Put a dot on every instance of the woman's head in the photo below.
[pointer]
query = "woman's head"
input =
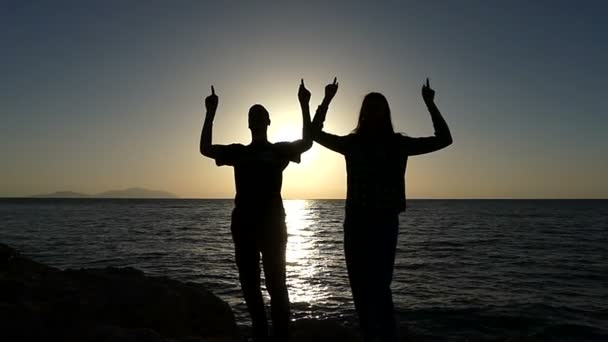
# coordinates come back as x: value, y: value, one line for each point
x: 375, y: 116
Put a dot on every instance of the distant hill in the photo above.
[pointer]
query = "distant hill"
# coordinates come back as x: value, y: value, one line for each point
x: 126, y: 193
x: 135, y: 193
x: 63, y: 194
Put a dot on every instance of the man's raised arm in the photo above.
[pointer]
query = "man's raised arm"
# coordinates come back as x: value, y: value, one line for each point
x: 206, y: 147
x: 304, y: 98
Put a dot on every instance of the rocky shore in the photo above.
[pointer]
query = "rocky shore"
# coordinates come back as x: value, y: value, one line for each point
x: 39, y: 302
x: 42, y: 303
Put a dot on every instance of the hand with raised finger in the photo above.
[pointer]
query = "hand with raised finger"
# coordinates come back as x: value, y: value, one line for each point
x: 428, y: 94
x: 331, y: 89
x: 211, y: 102
x: 303, y: 94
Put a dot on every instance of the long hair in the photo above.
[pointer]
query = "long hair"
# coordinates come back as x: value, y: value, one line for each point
x: 374, y: 117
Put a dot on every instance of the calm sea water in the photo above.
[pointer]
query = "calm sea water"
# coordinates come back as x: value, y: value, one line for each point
x: 464, y: 268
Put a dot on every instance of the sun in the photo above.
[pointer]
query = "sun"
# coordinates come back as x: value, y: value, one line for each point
x: 287, y: 133
x: 293, y: 133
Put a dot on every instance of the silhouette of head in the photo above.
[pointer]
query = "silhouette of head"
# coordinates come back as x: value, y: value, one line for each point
x: 259, y: 119
x: 374, y: 117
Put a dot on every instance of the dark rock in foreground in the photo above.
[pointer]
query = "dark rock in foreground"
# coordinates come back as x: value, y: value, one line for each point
x: 38, y: 302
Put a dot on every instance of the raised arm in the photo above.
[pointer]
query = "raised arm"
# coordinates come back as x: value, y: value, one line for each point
x: 294, y: 148
x: 304, y: 98
x: 442, y: 137
x: 206, y: 147
x: 331, y: 141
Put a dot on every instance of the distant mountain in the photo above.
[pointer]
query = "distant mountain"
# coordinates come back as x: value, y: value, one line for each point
x: 126, y: 193
x: 135, y: 193
x: 63, y: 194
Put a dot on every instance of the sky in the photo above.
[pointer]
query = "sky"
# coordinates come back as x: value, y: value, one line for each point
x: 100, y: 95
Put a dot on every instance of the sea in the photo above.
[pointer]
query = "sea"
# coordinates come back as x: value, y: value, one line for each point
x: 465, y: 269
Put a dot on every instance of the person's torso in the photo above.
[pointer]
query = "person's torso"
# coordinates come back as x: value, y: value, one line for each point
x: 376, y: 174
x: 258, y: 175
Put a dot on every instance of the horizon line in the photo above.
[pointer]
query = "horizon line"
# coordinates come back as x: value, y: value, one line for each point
x: 315, y: 199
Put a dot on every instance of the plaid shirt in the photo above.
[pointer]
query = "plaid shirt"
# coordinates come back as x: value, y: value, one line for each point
x: 375, y: 166
x: 375, y: 169
x: 375, y: 173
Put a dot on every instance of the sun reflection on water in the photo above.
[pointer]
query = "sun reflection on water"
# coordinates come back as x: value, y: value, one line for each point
x: 302, y: 253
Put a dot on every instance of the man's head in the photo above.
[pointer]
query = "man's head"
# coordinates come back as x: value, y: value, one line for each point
x: 259, y: 119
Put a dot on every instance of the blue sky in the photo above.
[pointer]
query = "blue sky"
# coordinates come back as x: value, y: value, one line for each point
x: 108, y: 94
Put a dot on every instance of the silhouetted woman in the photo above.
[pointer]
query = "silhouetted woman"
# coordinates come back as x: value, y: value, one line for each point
x: 376, y: 158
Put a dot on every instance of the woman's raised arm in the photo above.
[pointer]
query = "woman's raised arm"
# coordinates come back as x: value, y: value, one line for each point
x: 333, y: 142
x: 442, y: 137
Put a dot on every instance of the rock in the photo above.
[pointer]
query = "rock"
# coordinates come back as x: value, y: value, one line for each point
x: 306, y: 330
x: 113, y: 333
x: 110, y: 304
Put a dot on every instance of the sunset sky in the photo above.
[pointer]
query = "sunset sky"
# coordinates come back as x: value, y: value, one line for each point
x: 109, y: 94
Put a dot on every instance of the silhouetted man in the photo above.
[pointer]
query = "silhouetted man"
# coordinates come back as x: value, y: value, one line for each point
x: 258, y: 219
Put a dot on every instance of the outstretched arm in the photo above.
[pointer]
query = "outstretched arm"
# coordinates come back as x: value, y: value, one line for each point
x: 331, y: 141
x: 442, y: 137
x: 206, y: 147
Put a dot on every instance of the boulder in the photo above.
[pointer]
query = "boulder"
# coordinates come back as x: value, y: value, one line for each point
x: 38, y: 302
